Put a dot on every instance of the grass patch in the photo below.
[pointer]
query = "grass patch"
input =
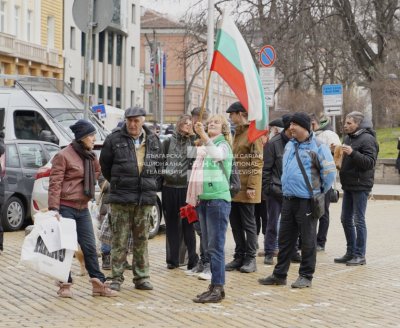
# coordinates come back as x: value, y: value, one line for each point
x: 387, y: 139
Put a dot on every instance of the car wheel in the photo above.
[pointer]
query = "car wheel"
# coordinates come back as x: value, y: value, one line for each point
x: 13, y: 214
x: 155, y: 219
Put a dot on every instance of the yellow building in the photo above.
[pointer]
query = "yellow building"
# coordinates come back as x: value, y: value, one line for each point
x: 31, y: 37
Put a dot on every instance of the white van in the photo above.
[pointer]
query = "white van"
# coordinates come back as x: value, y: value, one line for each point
x: 38, y: 108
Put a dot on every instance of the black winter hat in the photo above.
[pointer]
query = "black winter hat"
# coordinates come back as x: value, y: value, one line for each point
x: 302, y: 119
x: 286, y: 121
x: 82, y: 129
x: 236, y: 107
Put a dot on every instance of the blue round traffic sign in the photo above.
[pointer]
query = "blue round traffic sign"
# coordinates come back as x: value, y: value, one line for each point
x: 267, y: 56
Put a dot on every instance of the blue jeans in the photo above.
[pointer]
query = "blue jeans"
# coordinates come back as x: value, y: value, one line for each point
x: 214, y: 216
x: 354, y: 206
x: 86, y: 239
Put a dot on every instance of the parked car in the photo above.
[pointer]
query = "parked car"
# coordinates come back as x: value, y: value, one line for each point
x: 40, y: 194
x: 22, y: 160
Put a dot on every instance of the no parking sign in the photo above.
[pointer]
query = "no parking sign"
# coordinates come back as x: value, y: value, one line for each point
x: 267, y: 56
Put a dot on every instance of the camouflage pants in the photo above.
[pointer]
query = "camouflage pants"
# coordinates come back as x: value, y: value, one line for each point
x: 126, y: 218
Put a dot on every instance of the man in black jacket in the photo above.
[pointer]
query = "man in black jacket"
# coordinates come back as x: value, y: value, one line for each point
x: 131, y: 160
x: 272, y: 186
x: 360, y: 151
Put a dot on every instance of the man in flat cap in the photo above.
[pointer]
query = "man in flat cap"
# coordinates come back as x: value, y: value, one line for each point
x: 131, y: 160
x: 248, y: 157
x: 302, y: 155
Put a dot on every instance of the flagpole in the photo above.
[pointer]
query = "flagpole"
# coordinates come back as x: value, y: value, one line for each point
x: 205, y: 96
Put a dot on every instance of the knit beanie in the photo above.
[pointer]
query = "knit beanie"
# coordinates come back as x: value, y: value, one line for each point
x: 302, y: 119
x: 286, y: 121
x: 82, y: 129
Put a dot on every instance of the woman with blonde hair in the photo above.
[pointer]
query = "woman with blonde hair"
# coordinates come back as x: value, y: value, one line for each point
x: 209, y: 191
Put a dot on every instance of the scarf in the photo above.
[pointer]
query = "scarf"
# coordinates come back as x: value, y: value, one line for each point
x: 88, y: 158
x: 195, y: 187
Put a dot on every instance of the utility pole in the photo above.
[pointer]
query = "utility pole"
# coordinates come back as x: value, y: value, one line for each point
x: 88, y: 56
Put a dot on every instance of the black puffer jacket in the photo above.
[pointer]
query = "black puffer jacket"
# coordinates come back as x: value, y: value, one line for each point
x: 177, y: 160
x: 119, y: 166
x: 272, y: 169
x: 357, y: 171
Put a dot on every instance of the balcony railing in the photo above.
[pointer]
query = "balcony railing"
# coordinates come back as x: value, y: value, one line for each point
x: 25, y: 50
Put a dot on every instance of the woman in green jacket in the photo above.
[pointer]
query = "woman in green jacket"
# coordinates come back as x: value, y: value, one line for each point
x: 209, y: 191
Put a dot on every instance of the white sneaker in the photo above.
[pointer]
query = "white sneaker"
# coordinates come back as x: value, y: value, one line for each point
x: 195, y: 270
x: 206, y: 274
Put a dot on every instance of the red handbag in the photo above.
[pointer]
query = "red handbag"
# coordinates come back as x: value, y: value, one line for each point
x: 188, y: 211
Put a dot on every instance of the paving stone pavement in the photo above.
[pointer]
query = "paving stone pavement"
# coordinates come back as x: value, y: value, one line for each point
x: 341, y: 296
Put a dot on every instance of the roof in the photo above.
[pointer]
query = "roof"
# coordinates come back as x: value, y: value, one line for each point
x: 153, y: 19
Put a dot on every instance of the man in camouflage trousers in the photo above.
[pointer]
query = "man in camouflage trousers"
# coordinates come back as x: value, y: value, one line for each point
x: 131, y: 160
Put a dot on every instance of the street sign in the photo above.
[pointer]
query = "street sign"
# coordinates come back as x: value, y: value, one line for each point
x: 267, y: 77
x: 332, y: 98
x: 332, y: 95
x: 100, y: 110
x: 333, y: 111
x: 267, y: 56
x: 102, y: 14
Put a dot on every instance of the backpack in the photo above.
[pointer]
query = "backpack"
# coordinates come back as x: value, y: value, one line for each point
x: 234, y: 179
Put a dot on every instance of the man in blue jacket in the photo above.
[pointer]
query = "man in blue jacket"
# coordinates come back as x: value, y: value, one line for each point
x: 296, y: 215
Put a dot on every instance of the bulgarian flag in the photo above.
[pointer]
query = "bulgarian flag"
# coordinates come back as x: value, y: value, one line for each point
x: 233, y: 62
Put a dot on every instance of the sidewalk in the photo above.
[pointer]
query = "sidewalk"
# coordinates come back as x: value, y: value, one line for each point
x: 381, y: 191
x: 341, y: 296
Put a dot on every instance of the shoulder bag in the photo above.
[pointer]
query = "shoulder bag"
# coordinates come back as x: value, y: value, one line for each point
x: 318, y: 200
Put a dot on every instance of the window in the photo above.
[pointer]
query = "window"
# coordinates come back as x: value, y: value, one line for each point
x: 50, y: 32
x: 118, y: 97
x: 132, y: 98
x: 52, y: 150
x: 16, y: 21
x: 32, y: 155
x: 101, y: 93
x: 110, y: 46
x: 133, y: 19
x: 29, y: 25
x: 72, y: 38
x: 119, y: 50
x: 133, y: 56
x: 12, y: 158
x: 29, y: 124
x: 83, y: 44
x: 82, y: 87
x: 2, y: 16
x: 109, y: 95
x: 102, y: 38
x: 72, y: 83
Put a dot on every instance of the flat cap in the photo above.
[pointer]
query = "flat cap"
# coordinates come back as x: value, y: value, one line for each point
x: 236, y: 107
x: 135, y: 111
x: 277, y: 122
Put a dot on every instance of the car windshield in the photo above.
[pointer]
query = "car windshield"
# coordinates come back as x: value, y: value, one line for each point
x: 67, y: 117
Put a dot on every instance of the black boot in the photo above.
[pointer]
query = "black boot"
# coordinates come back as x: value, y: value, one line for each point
x: 106, y: 261
x: 236, y: 264
x: 216, y: 295
x: 249, y: 265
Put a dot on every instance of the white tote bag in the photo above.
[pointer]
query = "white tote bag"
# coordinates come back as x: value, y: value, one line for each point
x: 49, y: 248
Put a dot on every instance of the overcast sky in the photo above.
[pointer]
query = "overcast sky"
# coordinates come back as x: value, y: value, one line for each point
x: 174, y: 8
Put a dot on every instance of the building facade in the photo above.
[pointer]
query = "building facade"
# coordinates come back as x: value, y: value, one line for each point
x: 31, y: 37
x: 185, y: 77
x: 115, y: 77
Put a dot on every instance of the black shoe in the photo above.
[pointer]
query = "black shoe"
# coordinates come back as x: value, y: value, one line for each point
x: 115, y: 285
x: 269, y: 260
x: 301, y: 282
x: 215, y: 296
x: 236, y: 264
x: 145, y: 285
x: 171, y: 266
x: 357, y: 260
x: 249, y: 265
x: 320, y: 248
x: 296, y: 258
x: 106, y: 261
x: 346, y: 257
x: 272, y: 280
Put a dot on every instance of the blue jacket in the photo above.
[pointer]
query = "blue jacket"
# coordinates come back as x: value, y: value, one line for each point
x: 318, y: 164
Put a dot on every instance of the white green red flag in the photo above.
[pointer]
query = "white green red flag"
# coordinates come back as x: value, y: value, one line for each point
x: 232, y: 60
